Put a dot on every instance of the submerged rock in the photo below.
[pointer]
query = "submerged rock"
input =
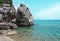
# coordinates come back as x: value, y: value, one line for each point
x: 24, y: 16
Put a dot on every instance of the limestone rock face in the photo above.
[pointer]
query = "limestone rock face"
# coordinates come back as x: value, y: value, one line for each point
x: 7, y: 14
x: 24, y: 17
x: 7, y: 9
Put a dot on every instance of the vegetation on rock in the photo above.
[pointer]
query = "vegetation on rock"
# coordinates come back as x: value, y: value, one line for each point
x: 5, y: 1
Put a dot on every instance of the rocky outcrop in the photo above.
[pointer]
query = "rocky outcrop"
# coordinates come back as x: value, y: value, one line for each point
x: 8, y: 9
x: 8, y: 26
x: 24, y: 16
x: 11, y: 18
x: 7, y: 14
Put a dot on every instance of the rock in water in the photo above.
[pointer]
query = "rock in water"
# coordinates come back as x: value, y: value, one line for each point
x: 24, y: 17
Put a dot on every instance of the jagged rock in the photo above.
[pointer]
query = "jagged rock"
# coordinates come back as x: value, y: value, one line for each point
x: 8, y: 26
x: 1, y: 10
x: 13, y: 20
x: 12, y: 25
x: 3, y: 26
x: 1, y: 18
x: 9, y: 12
x: 24, y: 17
x: 1, y: 13
x: 13, y: 11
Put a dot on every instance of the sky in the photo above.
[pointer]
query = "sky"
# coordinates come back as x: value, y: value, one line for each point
x: 41, y: 9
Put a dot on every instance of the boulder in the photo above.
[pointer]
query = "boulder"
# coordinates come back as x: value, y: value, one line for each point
x: 11, y: 25
x: 24, y: 16
x: 8, y: 26
x: 11, y: 32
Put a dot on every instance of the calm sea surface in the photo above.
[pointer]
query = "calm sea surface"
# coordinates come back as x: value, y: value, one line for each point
x: 42, y: 30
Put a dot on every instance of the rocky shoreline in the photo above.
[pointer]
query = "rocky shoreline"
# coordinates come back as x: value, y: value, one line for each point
x: 4, y: 35
x: 13, y: 18
x: 10, y: 19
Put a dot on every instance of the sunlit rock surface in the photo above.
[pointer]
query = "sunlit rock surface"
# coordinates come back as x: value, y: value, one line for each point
x: 7, y: 14
x: 24, y: 16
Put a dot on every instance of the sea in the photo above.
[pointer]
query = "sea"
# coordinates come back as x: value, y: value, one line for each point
x: 42, y: 30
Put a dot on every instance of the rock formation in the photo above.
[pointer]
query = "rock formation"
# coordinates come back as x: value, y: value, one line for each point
x: 24, y: 17
x: 10, y: 18
x: 7, y: 9
x: 7, y: 14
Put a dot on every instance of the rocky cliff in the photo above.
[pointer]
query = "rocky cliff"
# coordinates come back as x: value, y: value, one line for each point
x: 22, y: 17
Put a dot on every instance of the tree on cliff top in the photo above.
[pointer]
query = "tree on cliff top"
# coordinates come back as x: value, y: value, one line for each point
x: 5, y: 1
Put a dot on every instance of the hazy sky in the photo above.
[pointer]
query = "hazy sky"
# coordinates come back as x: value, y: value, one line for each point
x: 42, y: 9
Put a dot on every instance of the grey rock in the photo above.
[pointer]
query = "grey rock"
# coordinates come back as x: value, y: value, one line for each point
x: 8, y: 26
x: 9, y: 12
x: 1, y: 14
x: 12, y: 25
x: 1, y: 18
x: 14, y: 20
x: 7, y: 15
x: 1, y: 10
x: 3, y: 26
x: 24, y: 17
x: 6, y: 7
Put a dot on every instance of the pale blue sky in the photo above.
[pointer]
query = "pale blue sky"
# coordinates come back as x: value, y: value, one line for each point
x: 42, y: 9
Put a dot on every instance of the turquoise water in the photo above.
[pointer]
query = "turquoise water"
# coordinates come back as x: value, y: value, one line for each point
x: 42, y: 30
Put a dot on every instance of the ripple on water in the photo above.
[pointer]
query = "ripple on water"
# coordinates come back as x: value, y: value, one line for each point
x: 40, y: 32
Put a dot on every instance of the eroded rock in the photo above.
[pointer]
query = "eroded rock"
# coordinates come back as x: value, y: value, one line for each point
x: 24, y: 16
